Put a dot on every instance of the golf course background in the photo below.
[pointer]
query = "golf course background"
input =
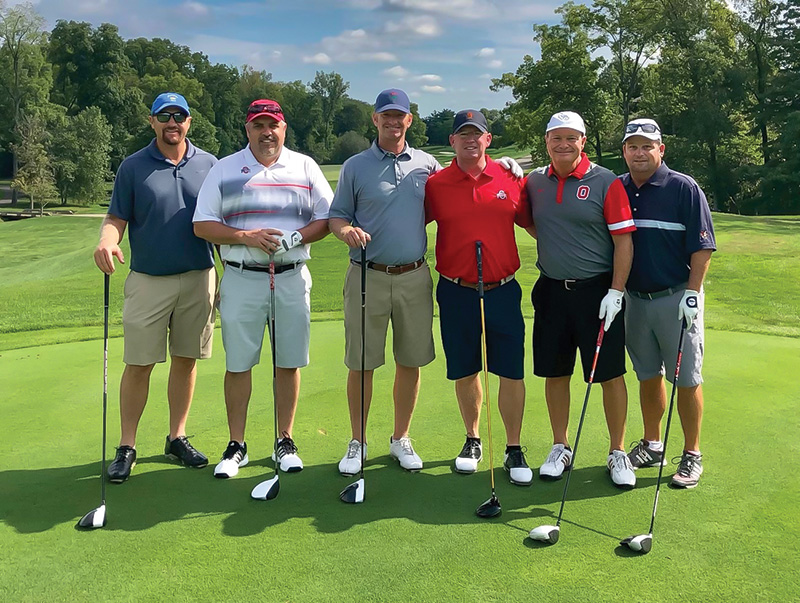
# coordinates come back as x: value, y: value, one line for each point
x: 178, y: 534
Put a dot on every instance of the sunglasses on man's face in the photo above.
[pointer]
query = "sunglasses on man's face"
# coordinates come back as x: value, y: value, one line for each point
x: 646, y: 128
x: 164, y: 116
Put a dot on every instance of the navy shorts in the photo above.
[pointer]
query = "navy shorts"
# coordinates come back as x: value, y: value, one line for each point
x: 565, y: 321
x: 460, y: 323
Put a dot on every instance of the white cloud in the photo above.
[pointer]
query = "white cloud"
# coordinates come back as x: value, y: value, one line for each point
x: 494, y: 64
x: 485, y: 76
x: 434, y: 89
x: 485, y: 52
x: 397, y: 71
x: 318, y: 59
x: 465, y: 9
x: 428, y: 77
x: 424, y: 26
x: 195, y: 9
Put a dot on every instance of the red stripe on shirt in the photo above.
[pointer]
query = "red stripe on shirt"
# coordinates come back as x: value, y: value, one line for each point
x: 252, y: 211
x: 308, y: 188
x: 617, y: 207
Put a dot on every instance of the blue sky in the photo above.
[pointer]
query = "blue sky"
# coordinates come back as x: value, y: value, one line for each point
x: 442, y: 52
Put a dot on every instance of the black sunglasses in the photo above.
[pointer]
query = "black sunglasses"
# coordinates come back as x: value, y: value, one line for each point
x: 646, y: 128
x: 163, y: 117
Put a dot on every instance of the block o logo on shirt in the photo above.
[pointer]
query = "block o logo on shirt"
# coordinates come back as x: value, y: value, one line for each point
x: 583, y: 192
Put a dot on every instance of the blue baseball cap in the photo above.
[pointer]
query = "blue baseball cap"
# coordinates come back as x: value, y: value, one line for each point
x: 392, y: 99
x: 169, y: 99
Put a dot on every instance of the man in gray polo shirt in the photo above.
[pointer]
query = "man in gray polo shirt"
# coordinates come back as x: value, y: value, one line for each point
x: 171, y: 284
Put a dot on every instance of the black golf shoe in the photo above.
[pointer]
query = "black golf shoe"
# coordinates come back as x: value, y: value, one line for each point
x: 518, y: 471
x: 470, y: 455
x: 120, y: 468
x: 641, y: 455
x: 181, y: 450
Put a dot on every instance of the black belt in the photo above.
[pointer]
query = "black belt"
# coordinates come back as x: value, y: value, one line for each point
x: 278, y: 269
x: 486, y: 286
x: 572, y: 284
x: 388, y: 269
x: 657, y: 294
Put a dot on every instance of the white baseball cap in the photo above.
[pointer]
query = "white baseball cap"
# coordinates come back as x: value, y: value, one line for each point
x: 642, y: 126
x: 566, y: 119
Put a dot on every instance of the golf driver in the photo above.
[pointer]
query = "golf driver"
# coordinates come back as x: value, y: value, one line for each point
x: 96, y: 518
x: 354, y: 493
x: 490, y: 508
x: 550, y: 534
x: 644, y: 542
x: 268, y: 489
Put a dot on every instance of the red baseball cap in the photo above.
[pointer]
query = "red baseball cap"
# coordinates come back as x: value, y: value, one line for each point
x: 264, y: 106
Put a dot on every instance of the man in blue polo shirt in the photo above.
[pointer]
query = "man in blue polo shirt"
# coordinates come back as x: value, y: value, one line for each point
x: 172, y: 282
x: 673, y: 242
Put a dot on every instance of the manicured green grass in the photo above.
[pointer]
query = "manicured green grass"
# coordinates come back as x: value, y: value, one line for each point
x: 50, y: 287
x: 178, y: 534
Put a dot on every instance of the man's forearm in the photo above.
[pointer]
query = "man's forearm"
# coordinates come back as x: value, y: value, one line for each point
x: 218, y: 233
x: 623, y: 258
x: 339, y: 227
x: 314, y: 231
x: 698, y: 268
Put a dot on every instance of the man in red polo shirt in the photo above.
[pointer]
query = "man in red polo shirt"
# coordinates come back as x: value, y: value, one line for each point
x: 474, y: 199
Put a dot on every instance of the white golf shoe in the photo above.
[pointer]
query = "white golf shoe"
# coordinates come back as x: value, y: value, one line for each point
x: 469, y: 457
x: 351, y: 462
x: 621, y: 470
x: 235, y: 456
x: 518, y: 471
x: 559, y: 459
x: 403, y: 451
x: 287, y: 456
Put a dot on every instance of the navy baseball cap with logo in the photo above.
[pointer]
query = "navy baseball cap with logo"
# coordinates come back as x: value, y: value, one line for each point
x: 470, y: 117
x: 169, y: 99
x: 392, y: 99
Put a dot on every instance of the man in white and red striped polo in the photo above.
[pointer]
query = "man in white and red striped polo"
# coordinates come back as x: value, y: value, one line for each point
x: 583, y: 227
x: 263, y: 200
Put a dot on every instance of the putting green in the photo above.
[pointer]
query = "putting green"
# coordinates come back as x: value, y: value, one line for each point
x: 178, y: 534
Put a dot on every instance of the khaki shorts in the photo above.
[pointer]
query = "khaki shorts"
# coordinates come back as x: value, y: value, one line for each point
x: 182, y: 304
x: 405, y: 299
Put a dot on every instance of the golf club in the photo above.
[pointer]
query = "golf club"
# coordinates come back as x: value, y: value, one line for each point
x: 642, y: 543
x: 490, y: 508
x: 354, y: 493
x: 550, y: 534
x: 96, y: 518
x: 268, y: 489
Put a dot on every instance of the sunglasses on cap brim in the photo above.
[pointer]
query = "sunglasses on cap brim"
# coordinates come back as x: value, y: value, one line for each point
x: 646, y: 128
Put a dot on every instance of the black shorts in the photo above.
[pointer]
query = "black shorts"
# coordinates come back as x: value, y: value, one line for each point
x: 565, y: 320
x: 460, y: 323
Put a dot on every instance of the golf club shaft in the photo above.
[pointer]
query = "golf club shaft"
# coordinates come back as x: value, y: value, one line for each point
x: 363, y: 347
x: 479, y: 257
x: 106, y: 291
x: 669, y: 421
x: 274, y: 360
x: 599, y: 343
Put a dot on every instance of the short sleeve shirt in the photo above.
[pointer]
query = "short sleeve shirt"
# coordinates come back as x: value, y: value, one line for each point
x: 157, y: 199
x: 575, y: 218
x: 673, y: 221
x: 242, y: 193
x: 467, y: 210
x: 383, y: 194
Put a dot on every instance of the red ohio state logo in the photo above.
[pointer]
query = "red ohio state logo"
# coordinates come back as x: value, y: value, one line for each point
x: 583, y: 192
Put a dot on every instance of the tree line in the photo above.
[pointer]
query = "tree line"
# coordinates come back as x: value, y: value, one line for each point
x: 721, y: 78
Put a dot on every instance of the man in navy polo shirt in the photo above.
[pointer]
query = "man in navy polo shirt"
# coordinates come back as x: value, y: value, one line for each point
x: 583, y: 229
x: 673, y: 243
x: 172, y: 282
x: 474, y: 199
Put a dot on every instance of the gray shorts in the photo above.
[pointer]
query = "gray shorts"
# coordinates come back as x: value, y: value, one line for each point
x: 652, y: 330
x: 244, y: 311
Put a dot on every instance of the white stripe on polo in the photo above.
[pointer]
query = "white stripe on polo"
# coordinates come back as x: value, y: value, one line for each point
x: 620, y: 225
x: 659, y: 224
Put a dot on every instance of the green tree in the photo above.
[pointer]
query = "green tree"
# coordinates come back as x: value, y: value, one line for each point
x: 35, y: 175
x: 354, y: 116
x: 439, y: 125
x: 416, y: 135
x: 347, y: 145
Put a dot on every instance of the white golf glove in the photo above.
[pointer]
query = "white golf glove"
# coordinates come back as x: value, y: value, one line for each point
x: 287, y: 241
x: 512, y: 166
x: 689, y: 307
x: 610, y: 307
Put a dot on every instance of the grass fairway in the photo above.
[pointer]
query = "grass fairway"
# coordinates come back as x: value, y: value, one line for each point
x: 181, y: 535
x: 178, y: 534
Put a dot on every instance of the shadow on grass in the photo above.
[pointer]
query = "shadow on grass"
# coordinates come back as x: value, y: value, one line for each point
x: 37, y: 500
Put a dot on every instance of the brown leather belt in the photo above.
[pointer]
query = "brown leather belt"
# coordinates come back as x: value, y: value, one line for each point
x: 387, y: 269
x: 486, y: 286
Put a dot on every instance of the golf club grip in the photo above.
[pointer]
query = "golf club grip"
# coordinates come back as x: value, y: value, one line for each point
x: 363, y: 276
x: 479, y: 260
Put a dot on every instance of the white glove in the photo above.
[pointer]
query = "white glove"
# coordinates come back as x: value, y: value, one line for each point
x: 610, y: 306
x: 512, y: 166
x: 689, y: 307
x: 287, y: 241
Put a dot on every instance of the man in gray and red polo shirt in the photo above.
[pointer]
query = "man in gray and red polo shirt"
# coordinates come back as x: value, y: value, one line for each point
x: 583, y: 228
x: 674, y: 240
x: 474, y: 199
